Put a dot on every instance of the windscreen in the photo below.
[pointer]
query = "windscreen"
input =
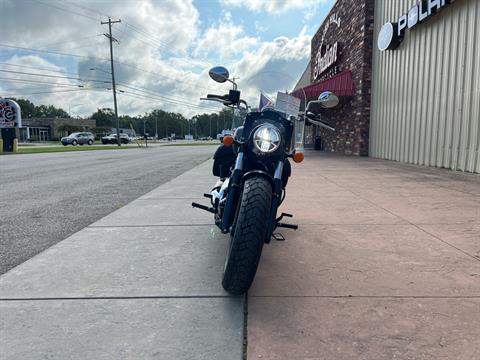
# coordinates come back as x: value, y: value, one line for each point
x: 239, y: 116
x: 299, y: 133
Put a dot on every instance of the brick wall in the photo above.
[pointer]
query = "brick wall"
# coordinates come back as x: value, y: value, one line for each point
x: 355, y: 42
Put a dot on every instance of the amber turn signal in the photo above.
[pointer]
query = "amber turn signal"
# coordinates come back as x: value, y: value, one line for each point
x: 298, y: 157
x: 228, y: 140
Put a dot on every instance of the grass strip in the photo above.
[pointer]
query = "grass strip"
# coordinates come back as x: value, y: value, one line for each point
x: 46, y: 149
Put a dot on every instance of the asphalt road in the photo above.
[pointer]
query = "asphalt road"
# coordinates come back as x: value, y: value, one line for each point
x: 44, y: 198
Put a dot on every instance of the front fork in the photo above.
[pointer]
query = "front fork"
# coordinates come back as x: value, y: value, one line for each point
x: 276, y: 198
x: 233, y: 193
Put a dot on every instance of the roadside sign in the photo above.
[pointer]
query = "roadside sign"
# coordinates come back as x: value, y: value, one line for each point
x: 10, y: 114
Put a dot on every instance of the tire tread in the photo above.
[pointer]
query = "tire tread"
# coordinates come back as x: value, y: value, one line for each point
x: 249, y: 235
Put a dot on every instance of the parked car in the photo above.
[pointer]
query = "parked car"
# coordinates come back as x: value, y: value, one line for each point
x: 78, y: 138
x: 112, y: 139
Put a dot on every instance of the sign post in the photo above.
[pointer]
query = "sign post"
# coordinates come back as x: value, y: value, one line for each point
x: 10, y: 123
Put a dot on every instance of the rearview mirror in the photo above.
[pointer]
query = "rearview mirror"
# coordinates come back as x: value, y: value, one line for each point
x: 219, y: 74
x: 327, y: 99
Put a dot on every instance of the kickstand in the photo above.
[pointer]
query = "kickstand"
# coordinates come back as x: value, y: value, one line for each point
x: 278, y: 237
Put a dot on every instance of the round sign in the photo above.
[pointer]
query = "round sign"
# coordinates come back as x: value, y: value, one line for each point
x: 385, y: 36
x: 388, y: 37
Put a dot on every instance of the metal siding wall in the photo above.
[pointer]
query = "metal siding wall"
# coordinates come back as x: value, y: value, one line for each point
x: 426, y: 94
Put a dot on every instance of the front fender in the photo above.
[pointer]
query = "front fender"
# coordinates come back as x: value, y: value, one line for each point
x: 261, y: 173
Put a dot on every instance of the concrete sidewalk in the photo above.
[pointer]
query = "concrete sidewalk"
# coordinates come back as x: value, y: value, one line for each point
x: 142, y: 283
x: 385, y: 265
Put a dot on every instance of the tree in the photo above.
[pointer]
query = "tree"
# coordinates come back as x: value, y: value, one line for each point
x: 30, y: 110
x: 27, y: 107
x: 104, y: 117
x: 69, y: 128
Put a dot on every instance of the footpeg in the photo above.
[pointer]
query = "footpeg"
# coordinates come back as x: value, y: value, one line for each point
x: 208, y: 196
x: 287, y: 226
x: 282, y: 216
x: 203, y: 207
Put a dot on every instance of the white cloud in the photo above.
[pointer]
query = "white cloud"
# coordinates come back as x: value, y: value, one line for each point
x: 225, y: 40
x: 167, y: 32
x: 272, y: 6
x: 275, y: 66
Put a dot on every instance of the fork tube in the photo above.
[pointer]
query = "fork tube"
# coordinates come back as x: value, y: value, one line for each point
x: 232, y: 194
x: 276, y: 196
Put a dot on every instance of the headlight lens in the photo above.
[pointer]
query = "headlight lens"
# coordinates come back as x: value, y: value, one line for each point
x: 267, y: 138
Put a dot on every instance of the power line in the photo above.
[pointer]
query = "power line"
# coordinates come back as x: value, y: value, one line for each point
x: 32, y: 82
x: 173, y: 101
x: 105, y: 60
x: 89, y: 9
x: 156, y: 93
x: 150, y: 40
x: 187, y: 105
x: 54, y: 52
x: 124, y: 84
x: 66, y: 10
x: 53, y: 76
x: 37, y: 87
x: 45, y: 69
x: 37, y: 68
x: 90, y: 45
x: 163, y: 76
x: 157, y: 41
x: 59, y: 91
x: 69, y: 41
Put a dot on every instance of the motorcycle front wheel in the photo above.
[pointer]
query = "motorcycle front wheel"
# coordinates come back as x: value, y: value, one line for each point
x: 248, y: 235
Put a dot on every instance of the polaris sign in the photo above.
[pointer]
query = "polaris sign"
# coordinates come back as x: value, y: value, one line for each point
x: 392, y: 34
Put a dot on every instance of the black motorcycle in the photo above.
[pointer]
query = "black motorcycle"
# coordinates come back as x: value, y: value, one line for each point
x: 253, y: 167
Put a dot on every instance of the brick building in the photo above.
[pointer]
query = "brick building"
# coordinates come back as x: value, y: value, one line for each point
x: 408, y: 76
x: 44, y: 129
x: 341, y: 57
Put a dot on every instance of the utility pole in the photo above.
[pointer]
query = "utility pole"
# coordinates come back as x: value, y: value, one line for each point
x: 156, y: 126
x: 112, y: 39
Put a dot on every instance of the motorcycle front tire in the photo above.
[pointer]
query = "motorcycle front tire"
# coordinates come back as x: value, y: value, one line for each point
x: 248, y: 236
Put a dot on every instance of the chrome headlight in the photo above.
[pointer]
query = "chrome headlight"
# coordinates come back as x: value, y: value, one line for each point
x: 267, y: 138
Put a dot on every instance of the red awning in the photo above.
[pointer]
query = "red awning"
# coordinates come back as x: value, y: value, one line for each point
x: 340, y: 84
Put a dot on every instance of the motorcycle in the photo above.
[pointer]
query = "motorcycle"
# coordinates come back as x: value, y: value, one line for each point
x: 253, y: 169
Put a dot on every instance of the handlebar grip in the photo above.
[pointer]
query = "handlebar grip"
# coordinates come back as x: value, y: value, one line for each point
x: 213, y: 96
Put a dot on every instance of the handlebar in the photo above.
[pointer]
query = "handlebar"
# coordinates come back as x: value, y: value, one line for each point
x: 225, y: 100
x: 314, y: 120
x: 213, y: 96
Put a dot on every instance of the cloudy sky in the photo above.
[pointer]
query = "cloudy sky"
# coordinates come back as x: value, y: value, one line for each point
x: 165, y: 48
